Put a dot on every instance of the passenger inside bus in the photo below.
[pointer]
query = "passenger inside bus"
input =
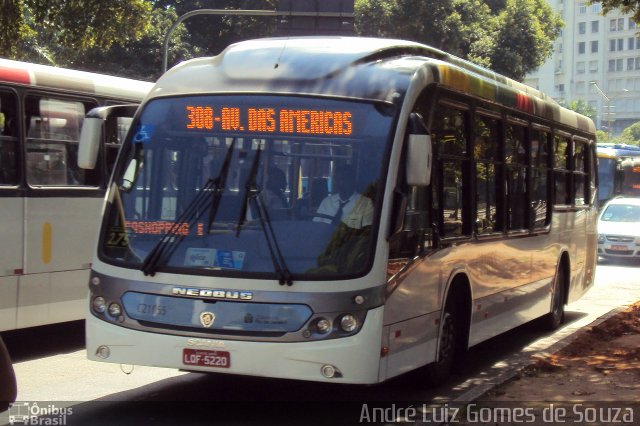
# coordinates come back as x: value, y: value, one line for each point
x: 274, y: 191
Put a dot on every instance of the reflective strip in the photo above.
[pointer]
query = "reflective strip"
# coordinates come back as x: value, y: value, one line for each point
x: 14, y: 75
x: 46, y: 242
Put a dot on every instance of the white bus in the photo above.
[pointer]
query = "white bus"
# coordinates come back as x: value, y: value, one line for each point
x: 469, y: 209
x: 49, y: 206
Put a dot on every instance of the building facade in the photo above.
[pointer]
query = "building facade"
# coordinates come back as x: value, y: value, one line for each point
x: 596, y: 59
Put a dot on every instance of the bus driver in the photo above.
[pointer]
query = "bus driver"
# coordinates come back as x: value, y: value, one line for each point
x: 345, y: 204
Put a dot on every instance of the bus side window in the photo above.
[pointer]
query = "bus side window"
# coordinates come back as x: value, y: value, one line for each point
x: 593, y: 173
x: 451, y: 170
x: 517, y: 191
x: 53, y: 132
x: 580, y: 174
x: 488, y: 174
x: 540, y: 142
x: 8, y: 139
x: 561, y: 173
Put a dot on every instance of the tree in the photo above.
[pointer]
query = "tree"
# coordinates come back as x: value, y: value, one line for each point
x: 624, y: 6
x: 13, y: 28
x: 374, y: 17
x: 141, y: 58
x: 581, y: 107
x: 210, y: 34
x: 448, y: 25
x: 122, y: 37
x: 511, y: 37
x: 526, y: 32
x: 632, y: 133
x: 56, y: 30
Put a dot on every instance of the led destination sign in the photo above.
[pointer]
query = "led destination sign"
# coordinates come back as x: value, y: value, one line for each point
x: 269, y: 120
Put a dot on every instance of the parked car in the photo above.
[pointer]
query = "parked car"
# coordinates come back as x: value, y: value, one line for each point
x: 619, y: 229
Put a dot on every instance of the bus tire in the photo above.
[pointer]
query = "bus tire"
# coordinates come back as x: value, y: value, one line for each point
x: 438, y: 372
x: 555, y: 318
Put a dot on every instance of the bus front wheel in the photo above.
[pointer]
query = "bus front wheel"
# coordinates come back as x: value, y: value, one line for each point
x: 439, y: 371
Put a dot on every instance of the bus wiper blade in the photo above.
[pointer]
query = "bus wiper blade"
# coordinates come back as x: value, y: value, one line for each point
x: 250, y: 189
x: 219, y: 184
x: 252, y: 192
x: 284, y: 275
x: 174, y: 236
x: 190, y: 215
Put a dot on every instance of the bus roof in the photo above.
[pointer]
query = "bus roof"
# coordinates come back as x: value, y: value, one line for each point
x: 35, y: 75
x: 610, y: 150
x: 365, y: 68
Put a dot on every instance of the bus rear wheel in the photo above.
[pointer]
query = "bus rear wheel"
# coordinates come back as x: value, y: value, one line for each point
x: 555, y: 318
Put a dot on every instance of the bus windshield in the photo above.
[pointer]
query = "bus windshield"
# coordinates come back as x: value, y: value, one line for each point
x: 250, y: 186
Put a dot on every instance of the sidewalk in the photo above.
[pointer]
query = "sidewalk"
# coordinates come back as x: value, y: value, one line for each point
x: 586, y: 364
x: 601, y: 362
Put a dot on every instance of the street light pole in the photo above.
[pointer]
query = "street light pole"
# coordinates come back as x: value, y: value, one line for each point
x: 608, y: 99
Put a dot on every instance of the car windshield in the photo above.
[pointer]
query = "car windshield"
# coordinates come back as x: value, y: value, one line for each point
x: 240, y: 185
x: 621, y: 213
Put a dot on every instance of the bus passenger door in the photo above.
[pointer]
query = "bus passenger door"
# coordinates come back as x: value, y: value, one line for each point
x: 11, y: 210
x: 61, y: 213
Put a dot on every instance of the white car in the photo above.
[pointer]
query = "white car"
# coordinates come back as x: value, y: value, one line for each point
x: 619, y: 229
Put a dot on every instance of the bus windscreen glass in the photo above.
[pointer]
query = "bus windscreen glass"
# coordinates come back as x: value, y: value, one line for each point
x: 250, y: 185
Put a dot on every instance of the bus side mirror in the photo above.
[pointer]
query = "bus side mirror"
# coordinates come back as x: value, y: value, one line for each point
x: 419, y: 152
x: 90, y: 140
x: 130, y: 174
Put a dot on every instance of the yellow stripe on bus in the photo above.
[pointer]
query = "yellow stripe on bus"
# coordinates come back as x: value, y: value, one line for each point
x: 46, y: 242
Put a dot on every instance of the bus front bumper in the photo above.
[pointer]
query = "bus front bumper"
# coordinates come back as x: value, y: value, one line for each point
x: 355, y: 359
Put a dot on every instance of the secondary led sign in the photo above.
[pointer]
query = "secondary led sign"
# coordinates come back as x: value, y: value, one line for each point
x: 269, y: 120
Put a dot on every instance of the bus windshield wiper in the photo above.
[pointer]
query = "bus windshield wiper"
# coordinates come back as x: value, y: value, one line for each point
x: 252, y: 192
x: 190, y: 215
x: 174, y: 234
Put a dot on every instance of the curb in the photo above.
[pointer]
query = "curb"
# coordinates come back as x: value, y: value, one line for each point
x: 525, y: 359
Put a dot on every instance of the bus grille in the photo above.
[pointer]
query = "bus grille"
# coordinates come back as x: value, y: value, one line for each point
x: 620, y: 239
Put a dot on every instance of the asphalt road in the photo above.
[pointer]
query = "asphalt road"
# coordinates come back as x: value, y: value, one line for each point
x: 60, y: 386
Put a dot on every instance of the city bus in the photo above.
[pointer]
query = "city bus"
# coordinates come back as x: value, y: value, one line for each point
x: 428, y: 205
x: 50, y: 207
x: 617, y: 174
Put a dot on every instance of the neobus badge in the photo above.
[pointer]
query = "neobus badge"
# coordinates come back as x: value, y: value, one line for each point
x: 212, y: 294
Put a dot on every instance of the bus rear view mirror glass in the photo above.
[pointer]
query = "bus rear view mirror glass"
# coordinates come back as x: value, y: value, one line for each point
x: 90, y: 138
x: 419, y: 155
x: 419, y: 152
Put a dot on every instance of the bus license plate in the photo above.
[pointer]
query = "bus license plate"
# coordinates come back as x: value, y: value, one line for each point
x: 202, y: 358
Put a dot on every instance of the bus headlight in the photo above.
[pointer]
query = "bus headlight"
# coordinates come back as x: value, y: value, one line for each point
x: 115, y: 310
x: 99, y: 305
x: 323, y: 325
x: 348, y: 323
